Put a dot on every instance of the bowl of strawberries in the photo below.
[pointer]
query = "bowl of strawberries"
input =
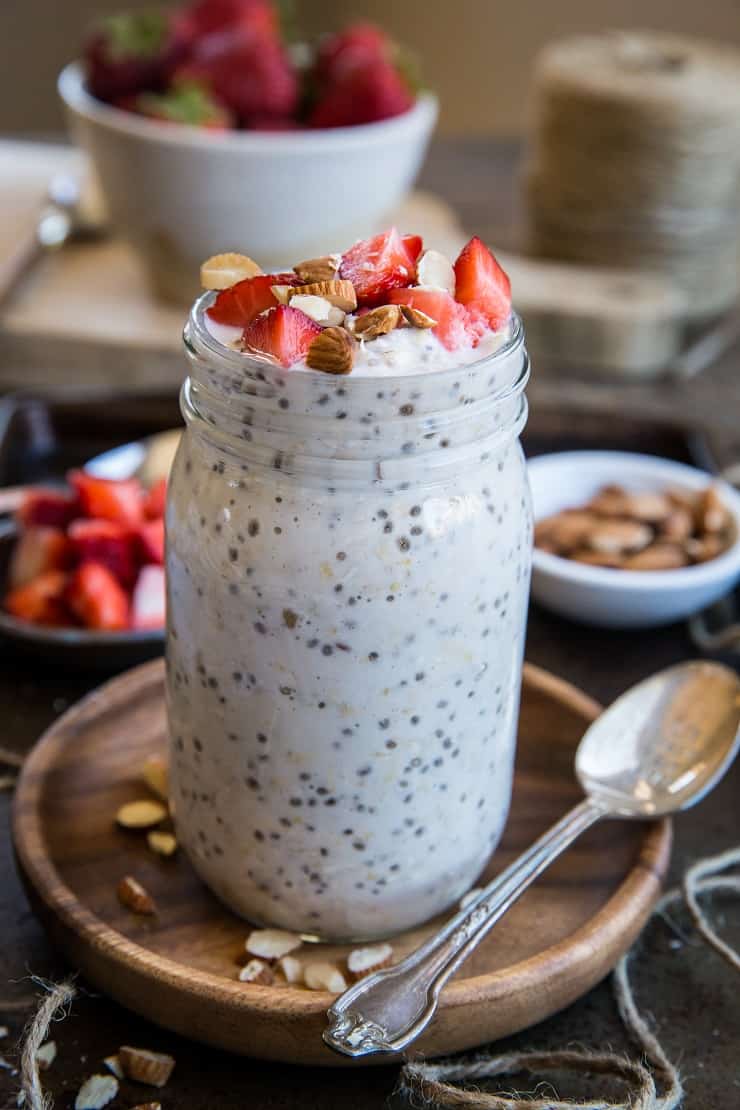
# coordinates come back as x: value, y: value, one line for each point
x: 82, y: 570
x: 206, y: 125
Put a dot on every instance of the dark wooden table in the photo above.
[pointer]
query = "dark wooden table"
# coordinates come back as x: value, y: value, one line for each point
x: 691, y: 994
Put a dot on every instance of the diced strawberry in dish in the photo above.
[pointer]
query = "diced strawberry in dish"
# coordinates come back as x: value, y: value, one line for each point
x: 114, y: 545
x: 42, y: 600
x: 155, y: 500
x: 481, y: 285
x: 108, y: 499
x: 376, y: 266
x: 241, y: 303
x: 453, y: 329
x: 97, y: 598
x: 148, y: 602
x: 151, y: 541
x: 38, y: 550
x: 55, y: 508
x: 285, y: 333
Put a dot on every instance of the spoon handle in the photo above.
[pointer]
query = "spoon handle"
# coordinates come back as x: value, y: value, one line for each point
x: 386, y: 1011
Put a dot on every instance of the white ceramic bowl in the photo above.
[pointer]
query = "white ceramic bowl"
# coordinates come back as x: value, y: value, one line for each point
x: 620, y: 598
x: 180, y: 194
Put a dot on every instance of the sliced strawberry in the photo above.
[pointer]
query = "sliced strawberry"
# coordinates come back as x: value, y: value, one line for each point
x: 481, y: 284
x: 42, y: 600
x: 148, y: 602
x: 155, y: 500
x: 414, y: 245
x: 108, y: 499
x: 97, y: 598
x: 371, y: 91
x: 51, y: 507
x: 151, y: 541
x: 453, y: 322
x: 285, y: 333
x: 377, y: 265
x: 241, y: 303
x: 115, y: 546
x: 38, y: 550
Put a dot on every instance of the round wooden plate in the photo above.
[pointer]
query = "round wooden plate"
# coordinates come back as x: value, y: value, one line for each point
x: 180, y: 968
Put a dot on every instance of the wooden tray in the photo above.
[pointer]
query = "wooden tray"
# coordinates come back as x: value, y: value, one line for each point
x: 180, y: 968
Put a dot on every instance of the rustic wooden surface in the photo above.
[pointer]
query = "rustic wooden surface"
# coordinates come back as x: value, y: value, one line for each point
x: 179, y: 967
x: 693, y: 1000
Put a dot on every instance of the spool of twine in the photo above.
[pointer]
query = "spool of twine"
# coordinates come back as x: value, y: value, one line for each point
x: 635, y: 160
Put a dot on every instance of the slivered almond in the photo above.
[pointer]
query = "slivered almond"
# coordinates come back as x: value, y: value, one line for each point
x: 318, y: 308
x: 291, y: 969
x: 271, y: 944
x: 321, y: 976
x: 46, y: 1055
x: 256, y: 971
x: 435, y: 270
x: 96, y: 1092
x: 333, y: 351
x: 379, y: 321
x: 363, y: 961
x: 155, y: 774
x: 416, y: 318
x: 161, y: 843
x: 224, y: 270
x: 142, y: 814
x: 145, y: 1066
x: 338, y: 292
x: 318, y: 269
x: 134, y: 896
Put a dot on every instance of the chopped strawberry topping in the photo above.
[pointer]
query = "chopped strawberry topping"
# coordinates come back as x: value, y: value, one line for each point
x: 51, y: 507
x: 39, y: 549
x: 481, y: 284
x: 148, y: 602
x: 285, y: 333
x: 241, y: 303
x: 377, y: 265
x: 453, y: 327
x: 115, y: 546
x: 155, y: 500
x: 414, y: 245
x: 41, y: 601
x: 108, y: 499
x: 151, y: 541
x: 97, y: 598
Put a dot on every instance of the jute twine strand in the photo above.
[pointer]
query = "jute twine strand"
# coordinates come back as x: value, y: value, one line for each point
x: 54, y: 1006
x: 432, y: 1084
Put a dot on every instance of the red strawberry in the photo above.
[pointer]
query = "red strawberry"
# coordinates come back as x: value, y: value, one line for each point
x: 285, y: 333
x: 51, y: 507
x: 345, y: 50
x: 185, y: 102
x: 371, y: 91
x: 374, y: 266
x: 250, y: 73
x: 414, y: 245
x: 107, y: 498
x: 38, y: 550
x: 132, y: 52
x: 204, y: 17
x: 155, y: 500
x: 239, y: 305
x: 42, y: 600
x: 148, y: 602
x: 453, y: 322
x: 151, y: 541
x: 481, y: 285
x: 113, y: 545
x: 97, y: 598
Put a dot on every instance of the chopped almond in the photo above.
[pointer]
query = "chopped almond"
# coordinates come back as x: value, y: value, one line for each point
x: 224, y: 270
x: 333, y: 351
x: 142, y: 814
x: 291, y: 969
x: 318, y: 269
x: 271, y: 944
x: 338, y: 292
x: 162, y: 843
x: 155, y: 774
x: 46, y: 1055
x: 435, y: 271
x: 145, y: 1066
x: 113, y: 1065
x: 658, y: 556
x: 133, y: 896
x: 416, y: 318
x: 364, y: 961
x: 96, y: 1092
x: 320, y: 976
x: 616, y: 536
x: 378, y: 321
x: 256, y: 971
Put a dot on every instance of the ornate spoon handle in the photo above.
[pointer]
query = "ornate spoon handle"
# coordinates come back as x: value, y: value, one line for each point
x: 386, y: 1011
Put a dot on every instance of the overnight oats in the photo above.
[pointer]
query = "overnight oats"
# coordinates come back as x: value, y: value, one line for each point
x: 349, y: 544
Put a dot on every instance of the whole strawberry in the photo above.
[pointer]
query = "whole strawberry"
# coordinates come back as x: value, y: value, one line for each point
x: 205, y: 17
x: 132, y: 53
x: 185, y: 102
x: 339, y: 53
x: 365, y: 92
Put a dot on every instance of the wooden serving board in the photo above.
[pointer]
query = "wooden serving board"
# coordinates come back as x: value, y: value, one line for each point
x: 180, y: 968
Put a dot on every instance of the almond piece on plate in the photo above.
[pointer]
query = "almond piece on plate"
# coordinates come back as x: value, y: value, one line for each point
x: 379, y: 321
x: 133, y: 896
x: 46, y: 1055
x: 145, y: 1066
x: 677, y: 526
x: 271, y: 944
x: 338, y: 292
x: 658, y: 556
x: 256, y: 971
x: 711, y: 513
x: 565, y: 531
x: 318, y: 308
x: 162, y: 843
x: 318, y: 269
x: 321, y: 976
x: 155, y: 774
x: 113, y: 1065
x: 612, y: 537
x: 96, y: 1092
x: 142, y: 814
x: 291, y: 969
x: 224, y: 270
x: 435, y: 270
x: 702, y: 550
x: 416, y: 318
x: 333, y: 351
x: 363, y: 961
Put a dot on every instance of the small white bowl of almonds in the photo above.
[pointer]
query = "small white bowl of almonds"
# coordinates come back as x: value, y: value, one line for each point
x: 630, y: 541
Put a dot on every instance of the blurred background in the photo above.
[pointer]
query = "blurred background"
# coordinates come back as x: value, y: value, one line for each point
x: 477, y: 53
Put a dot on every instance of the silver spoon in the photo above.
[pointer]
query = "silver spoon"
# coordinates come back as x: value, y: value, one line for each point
x: 658, y: 749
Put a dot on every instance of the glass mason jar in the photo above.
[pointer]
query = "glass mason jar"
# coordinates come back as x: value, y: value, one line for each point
x: 348, y: 570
